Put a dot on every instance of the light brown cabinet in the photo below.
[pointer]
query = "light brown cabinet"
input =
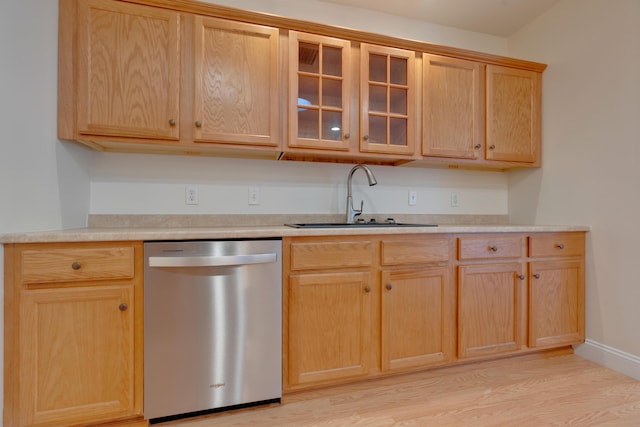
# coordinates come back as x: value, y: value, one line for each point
x: 236, y: 83
x: 128, y: 70
x: 556, y: 289
x: 513, y: 108
x: 359, y: 306
x: 417, y: 303
x: 326, y: 111
x: 139, y: 78
x: 328, y: 295
x: 464, y: 100
x: 74, y: 334
x: 490, y: 295
x: 453, y: 107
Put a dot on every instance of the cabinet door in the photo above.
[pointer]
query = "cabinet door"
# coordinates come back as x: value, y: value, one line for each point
x: 128, y: 70
x: 329, y: 326
x: 556, y: 303
x: 387, y: 96
x: 236, y: 83
x: 77, y: 355
x: 489, y: 309
x: 320, y: 87
x: 513, y: 114
x: 417, y: 318
x: 453, y: 108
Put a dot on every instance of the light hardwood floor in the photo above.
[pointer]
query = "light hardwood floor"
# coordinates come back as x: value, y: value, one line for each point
x: 563, y: 390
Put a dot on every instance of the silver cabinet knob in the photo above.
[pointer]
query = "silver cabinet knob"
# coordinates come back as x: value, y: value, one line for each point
x: 521, y: 277
x: 123, y: 307
x: 537, y: 275
x: 367, y: 288
x: 493, y: 248
x: 76, y: 265
x: 389, y: 286
x: 347, y: 135
x: 560, y: 246
x: 492, y: 147
x: 478, y: 146
x: 172, y: 122
x: 198, y: 124
x: 366, y: 137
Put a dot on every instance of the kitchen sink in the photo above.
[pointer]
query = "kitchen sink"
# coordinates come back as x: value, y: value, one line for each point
x: 372, y: 224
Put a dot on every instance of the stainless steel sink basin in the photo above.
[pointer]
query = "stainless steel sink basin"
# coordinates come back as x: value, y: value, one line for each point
x: 357, y: 225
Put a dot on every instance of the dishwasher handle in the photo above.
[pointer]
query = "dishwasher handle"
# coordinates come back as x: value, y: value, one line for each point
x: 211, y: 261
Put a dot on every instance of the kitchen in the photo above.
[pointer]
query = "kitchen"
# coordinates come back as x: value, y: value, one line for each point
x: 591, y: 52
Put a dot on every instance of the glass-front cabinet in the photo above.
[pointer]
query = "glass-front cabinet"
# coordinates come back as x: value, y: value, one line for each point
x: 320, y: 78
x: 387, y: 91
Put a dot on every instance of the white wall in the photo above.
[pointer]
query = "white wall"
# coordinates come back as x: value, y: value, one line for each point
x: 591, y: 123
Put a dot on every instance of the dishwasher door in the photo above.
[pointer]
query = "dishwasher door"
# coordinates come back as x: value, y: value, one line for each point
x: 212, y: 325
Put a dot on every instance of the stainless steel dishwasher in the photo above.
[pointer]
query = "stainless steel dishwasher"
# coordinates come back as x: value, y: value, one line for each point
x: 212, y: 325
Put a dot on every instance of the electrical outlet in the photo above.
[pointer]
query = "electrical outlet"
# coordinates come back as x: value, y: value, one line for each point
x: 191, y: 196
x: 254, y: 195
x: 413, y: 198
x: 455, y: 200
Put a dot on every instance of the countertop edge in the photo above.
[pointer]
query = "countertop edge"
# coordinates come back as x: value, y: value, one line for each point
x: 258, y: 232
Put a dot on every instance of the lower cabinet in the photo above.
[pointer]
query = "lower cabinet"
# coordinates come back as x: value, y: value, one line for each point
x: 417, y: 318
x: 73, y: 346
x: 363, y: 306
x: 329, y: 326
x: 556, y: 289
x: 360, y: 306
x: 489, y: 309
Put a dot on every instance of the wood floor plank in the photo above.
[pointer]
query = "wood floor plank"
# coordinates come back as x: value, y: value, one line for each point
x: 564, y: 390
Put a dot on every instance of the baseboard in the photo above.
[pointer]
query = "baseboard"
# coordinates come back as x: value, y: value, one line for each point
x: 625, y: 363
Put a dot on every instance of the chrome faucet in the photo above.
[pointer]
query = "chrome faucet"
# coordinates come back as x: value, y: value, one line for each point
x: 352, y: 213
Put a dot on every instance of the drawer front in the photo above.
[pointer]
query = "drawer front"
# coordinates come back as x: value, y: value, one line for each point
x: 61, y: 264
x: 556, y: 244
x: 319, y: 255
x: 399, y: 252
x: 490, y: 247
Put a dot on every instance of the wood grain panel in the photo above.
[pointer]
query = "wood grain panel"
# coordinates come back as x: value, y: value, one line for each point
x: 236, y: 82
x: 489, y: 317
x: 453, y: 107
x: 343, y: 254
x: 556, y: 303
x: 417, y: 318
x: 425, y: 250
x: 128, y: 78
x: 329, y: 320
x: 490, y: 247
x: 77, y: 355
x: 513, y: 114
x: 556, y: 245
x: 57, y: 264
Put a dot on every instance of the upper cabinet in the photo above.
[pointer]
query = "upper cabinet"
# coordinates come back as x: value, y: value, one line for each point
x: 483, y: 115
x: 453, y: 107
x: 128, y: 72
x: 157, y: 80
x: 387, y: 87
x: 513, y: 114
x: 336, y: 106
x: 320, y: 80
x: 191, y: 77
x: 236, y: 82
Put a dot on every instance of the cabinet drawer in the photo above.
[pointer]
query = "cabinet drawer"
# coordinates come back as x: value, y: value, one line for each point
x: 556, y: 244
x: 314, y: 255
x: 398, y: 252
x: 62, y: 264
x: 490, y: 247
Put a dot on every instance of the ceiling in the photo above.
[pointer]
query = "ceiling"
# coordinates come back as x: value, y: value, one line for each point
x: 498, y: 17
